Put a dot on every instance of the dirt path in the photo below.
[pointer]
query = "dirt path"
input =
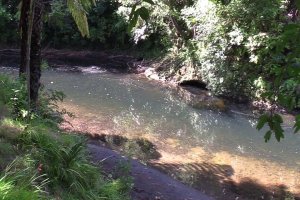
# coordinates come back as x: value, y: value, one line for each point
x: 149, y: 183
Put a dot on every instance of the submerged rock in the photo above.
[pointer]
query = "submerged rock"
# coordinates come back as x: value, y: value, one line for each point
x: 92, y: 70
x: 199, y: 98
x: 153, y: 75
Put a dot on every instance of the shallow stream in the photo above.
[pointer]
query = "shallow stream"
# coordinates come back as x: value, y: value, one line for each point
x: 132, y: 107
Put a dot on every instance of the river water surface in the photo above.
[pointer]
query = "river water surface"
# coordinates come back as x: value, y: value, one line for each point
x: 220, y: 153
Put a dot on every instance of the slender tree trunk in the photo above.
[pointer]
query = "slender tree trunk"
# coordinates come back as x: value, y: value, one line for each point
x: 31, y: 26
x: 24, y: 19
x: 35, y: 55
x: 26, y: 22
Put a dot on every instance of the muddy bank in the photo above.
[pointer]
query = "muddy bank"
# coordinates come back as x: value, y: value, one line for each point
x: 69, y: 59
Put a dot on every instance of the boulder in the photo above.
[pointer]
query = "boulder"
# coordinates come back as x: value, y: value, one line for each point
x: 199, y: 98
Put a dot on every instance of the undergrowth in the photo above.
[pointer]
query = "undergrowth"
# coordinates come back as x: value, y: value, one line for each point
x: 39, y: 161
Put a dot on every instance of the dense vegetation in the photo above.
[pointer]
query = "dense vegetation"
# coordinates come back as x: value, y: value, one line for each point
x: 246, y: 50
x: 38, y: 161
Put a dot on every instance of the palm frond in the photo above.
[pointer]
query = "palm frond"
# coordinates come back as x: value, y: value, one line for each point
x: 78, y: 9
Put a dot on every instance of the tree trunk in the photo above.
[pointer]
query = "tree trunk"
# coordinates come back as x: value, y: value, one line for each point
x: 35, y: 55
x: 31, y: 47
x: 27, y: 15
x: 24, y: 22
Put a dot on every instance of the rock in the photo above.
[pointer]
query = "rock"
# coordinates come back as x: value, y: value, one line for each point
x: 92, y: 70
x: 140, y: 69
x: 199, y: 98
x: 152, y: 74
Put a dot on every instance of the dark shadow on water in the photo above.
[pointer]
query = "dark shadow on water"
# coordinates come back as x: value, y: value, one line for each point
x: 216, y: 180
x: 139, y: 148
x: 252, y: 190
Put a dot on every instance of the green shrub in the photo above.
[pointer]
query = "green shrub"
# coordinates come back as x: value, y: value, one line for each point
x: 13, y: 94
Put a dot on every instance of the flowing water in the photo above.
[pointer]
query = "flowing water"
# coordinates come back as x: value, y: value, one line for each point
x: 132, y: 107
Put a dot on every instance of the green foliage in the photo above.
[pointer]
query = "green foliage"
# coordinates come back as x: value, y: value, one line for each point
x: 13, y: 94
x: 78, y: 9
x: 63, y: 165
x: 8, y: 19
x: 107, y: 29
x: 11, y: 129
x: 49, y: 164
x: 20, y: 181
x: 138, y: 11
x: 8, y: 191
x: 113, y: 189
x: 226, y: 41
x: 7, y: 152
x: 274, y: 122
x: 282, y: 75
x: 99, y: 23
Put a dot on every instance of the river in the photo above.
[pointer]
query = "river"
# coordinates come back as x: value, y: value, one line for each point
x: 220, y: 153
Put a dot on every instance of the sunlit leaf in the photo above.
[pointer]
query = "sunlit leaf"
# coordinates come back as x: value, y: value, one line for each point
x: 144, y: 13
x: 262, y: 121
x: 133, y: 22
x: 268, y: 136
x: 149, y: 1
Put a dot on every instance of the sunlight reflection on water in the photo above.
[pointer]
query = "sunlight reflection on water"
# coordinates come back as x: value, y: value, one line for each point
x: 142, y: 105
x: 129, y: 106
